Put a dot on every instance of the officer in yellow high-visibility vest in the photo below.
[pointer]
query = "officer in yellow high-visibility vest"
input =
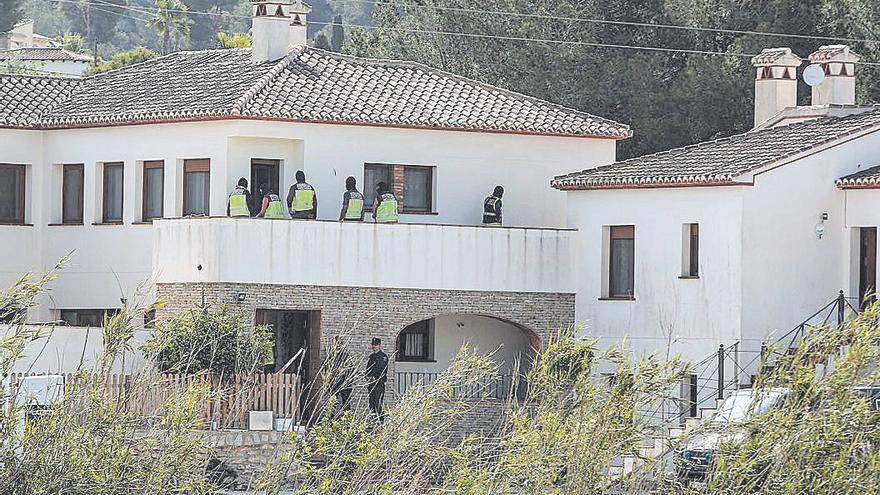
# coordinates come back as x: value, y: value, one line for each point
x: 385, y: 210
x: 239, y: 202
x: 301, y: 198
x: 272, y: 205
x: 352, y: 203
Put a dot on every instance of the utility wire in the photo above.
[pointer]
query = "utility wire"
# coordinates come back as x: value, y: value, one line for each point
x: 485, y: 36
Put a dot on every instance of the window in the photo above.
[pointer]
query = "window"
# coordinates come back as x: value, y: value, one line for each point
x: 416, y: 342
x: 11, y: 193
x: 690, y: 250
x: 417, y: 187
x: 154, y: 190
x: 373, y: 175
x: 196, y: 187
x: 621, y: 262
x: 86, y: 317
x: 150, y: 319
x: 414, y: 185
x: 72, y: 194
x: 113, y: 189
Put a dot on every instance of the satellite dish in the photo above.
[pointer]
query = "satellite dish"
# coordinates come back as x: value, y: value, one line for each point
x: 814, y: 75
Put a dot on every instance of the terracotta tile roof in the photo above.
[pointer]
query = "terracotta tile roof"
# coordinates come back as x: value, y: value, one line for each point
x: 773, y: 55
x: 23, y: 98
x: 42, y: 54
x: 315, y: 86
x: 723, y: 160
x: 863, y: 179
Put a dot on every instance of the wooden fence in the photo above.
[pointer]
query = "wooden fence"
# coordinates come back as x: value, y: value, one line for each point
x: 226, y: 404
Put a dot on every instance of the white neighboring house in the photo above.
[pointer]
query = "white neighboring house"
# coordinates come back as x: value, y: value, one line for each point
x: 23, y: 51
x: 735, y: 239
x: 123, y: 168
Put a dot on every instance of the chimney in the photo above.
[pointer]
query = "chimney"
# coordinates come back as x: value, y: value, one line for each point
x: 277, y: 26
x: 775, y: 82
x: 839, y: 85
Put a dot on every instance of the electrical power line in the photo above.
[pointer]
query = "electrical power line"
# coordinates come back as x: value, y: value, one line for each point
x: 501, y: 37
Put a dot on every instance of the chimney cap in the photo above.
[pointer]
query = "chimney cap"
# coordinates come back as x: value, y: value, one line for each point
x: 777, y: 56
x: 834, y: 53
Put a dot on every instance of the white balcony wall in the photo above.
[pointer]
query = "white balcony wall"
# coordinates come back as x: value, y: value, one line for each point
x: 362, y: 255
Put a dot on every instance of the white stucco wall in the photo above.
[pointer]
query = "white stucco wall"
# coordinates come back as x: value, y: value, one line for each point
x: 67, y: 349
x: 687, y: 316
x: 789, y: 272
x: 362, y: 254
x: 111, y: 261
x: 506, y: 343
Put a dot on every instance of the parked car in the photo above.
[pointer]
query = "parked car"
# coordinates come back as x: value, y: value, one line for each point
x: 696, y: 455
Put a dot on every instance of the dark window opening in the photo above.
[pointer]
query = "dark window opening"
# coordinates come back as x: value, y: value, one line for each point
x: 154, y: 190
x: 113, y: 192
x: 418, y: 189
x: 196, y: 187
x: 72, y: 184
x: 693, y: 266
x: 373, y: 175
x: 416, y: 342
x: 86, y: 317
x: 12, y: 181
x: 621, y: 279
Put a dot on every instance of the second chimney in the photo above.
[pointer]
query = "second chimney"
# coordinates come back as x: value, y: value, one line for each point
x: 839, y: 86
x: 277, y: 26
x: 775, y: 82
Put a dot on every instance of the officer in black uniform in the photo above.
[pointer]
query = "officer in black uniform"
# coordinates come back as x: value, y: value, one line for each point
x: 492, y: 207
x: 377, y: 374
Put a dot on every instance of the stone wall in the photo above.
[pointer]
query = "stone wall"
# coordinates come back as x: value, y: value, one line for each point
x: 359, y: 313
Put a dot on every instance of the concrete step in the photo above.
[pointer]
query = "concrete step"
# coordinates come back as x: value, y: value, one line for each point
x: 676, y: 431
x: 692, y: 423
x: 707, y: 412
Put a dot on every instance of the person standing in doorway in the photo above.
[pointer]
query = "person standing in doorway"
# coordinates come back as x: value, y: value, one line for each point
x: 301, y: 198
x: 239, y: 202
x: 272, y: 205
x: 352, y: 203
x: 492, y: 207
x: 377, y: 374
x: 385, y: 210
x: 340, y: 372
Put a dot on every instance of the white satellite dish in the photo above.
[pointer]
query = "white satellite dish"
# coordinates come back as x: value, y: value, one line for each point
x: 814, y: 75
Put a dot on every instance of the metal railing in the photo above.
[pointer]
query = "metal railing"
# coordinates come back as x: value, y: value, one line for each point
x: 500, y: 388
x: 723, y: 371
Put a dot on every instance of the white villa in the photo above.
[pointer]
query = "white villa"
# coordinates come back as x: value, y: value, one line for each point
x: 736, y: 239
x: 718, y: 243
x: 131, y: 170
x: 23, y: 50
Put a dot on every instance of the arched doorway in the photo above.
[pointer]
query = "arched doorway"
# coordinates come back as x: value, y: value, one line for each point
x: 426, y: 348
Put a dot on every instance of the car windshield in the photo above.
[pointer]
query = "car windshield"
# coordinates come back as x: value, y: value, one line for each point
x: 741, y: 406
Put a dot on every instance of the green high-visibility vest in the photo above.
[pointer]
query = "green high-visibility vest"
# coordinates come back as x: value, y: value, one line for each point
x: 275, y: 208
x: 303, y: 198
x: 355, y: 210
x: 386, y: 212
x: 238, y: 206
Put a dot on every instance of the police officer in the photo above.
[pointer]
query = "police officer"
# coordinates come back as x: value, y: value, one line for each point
x: 352, y: 203
x: 239, y: 202
x: 492, y: 207
x: 377, y: 374
x: 301, y: 198
x: 386, y: 204
x: 272, y: 205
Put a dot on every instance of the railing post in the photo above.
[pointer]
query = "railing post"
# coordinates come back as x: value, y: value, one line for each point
x: 841, y: 305
x: 720, y: 371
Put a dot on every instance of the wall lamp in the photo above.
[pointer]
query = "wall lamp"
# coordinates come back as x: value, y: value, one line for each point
x: 240, y: 297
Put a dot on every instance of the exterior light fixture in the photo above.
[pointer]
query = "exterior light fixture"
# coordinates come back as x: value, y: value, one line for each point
x: 240, y: 297
x: 820, y: 227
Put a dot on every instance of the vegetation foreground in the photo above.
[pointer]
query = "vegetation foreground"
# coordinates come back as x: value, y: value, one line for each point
x: 562, y: 439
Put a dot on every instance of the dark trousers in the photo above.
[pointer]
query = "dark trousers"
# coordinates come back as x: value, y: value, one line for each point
x: 303, y: 215
x: 343, y: 395
x: 377, y: 394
